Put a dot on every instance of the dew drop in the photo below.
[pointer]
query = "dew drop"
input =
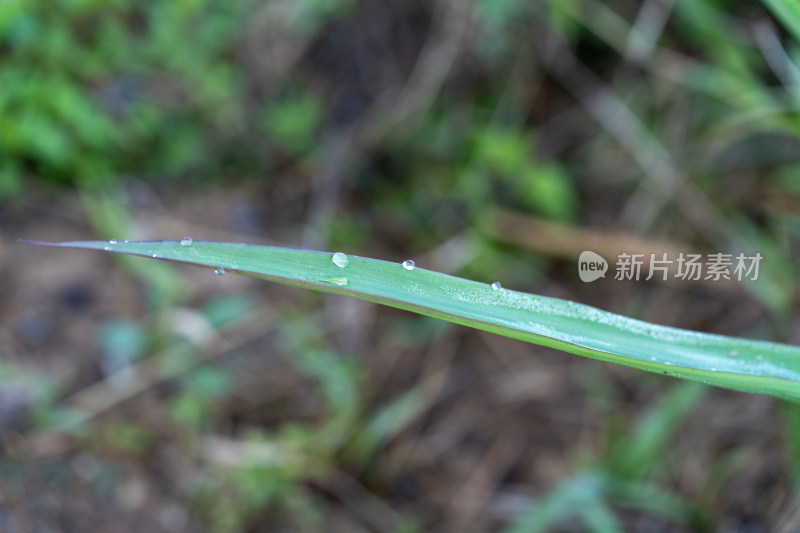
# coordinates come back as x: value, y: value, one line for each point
x: 408, y: 264
x: 106, y: 248
x: 340, y: 260
x: 155, y: 256
x: 496, y: 286
x: 112, y: 241
x: 187, y: 241
x: 219, y: 271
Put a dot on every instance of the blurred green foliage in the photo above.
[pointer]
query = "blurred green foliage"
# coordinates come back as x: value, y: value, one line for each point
x: 625, y: 474
x: 94, y: 90
x: 543, y: 187
x: 291, y: 122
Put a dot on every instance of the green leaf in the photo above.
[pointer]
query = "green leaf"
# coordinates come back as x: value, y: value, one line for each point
x: 578, y: 494
x: 292, y: 123
x: 788, y: 12
x: 739, y: 364
x: 547, y: 189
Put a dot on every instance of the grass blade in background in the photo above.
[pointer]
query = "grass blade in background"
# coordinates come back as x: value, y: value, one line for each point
x: 739, y: 364
x: 788, y: 12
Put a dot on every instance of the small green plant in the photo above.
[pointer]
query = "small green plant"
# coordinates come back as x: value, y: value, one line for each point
x: 739, y: 364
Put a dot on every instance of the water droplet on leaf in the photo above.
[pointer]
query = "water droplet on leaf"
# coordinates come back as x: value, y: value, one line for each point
x: 112, y: 241
x: 408, y: 264
x: 219, y: 271
x: 340, y: 260
x: 187, y: 241
x: 496, y: 286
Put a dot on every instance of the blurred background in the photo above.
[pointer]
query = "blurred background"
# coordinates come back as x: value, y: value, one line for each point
x: 489, y: 139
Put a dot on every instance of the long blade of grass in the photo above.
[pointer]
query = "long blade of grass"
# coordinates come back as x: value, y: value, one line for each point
x: 788, y: 12
x: 571, y: 497
x: 739, y: 364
